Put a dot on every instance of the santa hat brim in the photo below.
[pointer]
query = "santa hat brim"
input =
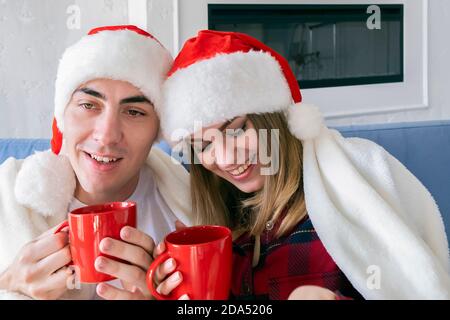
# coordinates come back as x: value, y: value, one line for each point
x: 221, y: 88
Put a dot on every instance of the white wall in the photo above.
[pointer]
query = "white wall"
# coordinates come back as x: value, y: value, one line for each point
x: 438, y: 74
x: 33, y: 35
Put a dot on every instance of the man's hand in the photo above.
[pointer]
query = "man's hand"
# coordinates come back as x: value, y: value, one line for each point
x: 138, y: 249
x: 135, y: 249
x: 39, y: 269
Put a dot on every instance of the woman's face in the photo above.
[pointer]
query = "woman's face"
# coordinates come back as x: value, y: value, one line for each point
x: 230, y: 150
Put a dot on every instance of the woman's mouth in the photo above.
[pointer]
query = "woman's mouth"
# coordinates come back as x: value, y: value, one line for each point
x: 240, y: 170
x: 243, y: 171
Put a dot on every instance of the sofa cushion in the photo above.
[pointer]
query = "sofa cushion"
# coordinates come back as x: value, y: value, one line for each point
x: 21, y: 148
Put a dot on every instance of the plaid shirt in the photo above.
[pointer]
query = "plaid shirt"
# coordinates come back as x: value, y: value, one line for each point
x: 285, y: 264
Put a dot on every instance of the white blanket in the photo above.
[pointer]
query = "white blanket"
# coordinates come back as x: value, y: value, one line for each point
x: 378, y: 222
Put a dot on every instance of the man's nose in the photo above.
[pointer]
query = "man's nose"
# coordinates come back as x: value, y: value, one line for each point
x: 108, y: 128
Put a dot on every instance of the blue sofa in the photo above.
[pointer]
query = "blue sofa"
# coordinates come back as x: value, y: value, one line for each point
x: 22, y: 148
x: 423, y: 147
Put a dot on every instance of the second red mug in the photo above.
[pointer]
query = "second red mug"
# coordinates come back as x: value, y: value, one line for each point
x: 203, y: 255
x: 87, y: 227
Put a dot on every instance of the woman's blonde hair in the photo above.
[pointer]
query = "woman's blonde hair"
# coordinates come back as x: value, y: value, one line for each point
x: 216, y: 201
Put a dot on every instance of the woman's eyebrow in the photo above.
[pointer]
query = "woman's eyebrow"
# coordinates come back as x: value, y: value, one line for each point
x: 221, y: 128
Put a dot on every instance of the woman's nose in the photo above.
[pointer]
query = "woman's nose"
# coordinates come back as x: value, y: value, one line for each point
x: 226, y: 154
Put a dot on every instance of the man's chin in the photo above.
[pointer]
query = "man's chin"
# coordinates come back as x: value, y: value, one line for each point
x: 98, y: 186
x: 98, y: 189
x: 106, y: 188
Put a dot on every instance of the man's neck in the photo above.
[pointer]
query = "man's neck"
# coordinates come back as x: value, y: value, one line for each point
x: 89, y: 198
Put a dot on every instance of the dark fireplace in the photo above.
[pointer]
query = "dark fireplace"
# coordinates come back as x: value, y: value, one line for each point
x: 326, y: 45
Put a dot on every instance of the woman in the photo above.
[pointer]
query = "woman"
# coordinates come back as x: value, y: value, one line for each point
x: 326, y: 215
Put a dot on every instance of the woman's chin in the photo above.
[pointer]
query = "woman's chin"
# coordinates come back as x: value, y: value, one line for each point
x: 251, y: 186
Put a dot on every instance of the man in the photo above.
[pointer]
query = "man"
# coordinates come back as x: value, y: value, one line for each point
x: 107, y: 94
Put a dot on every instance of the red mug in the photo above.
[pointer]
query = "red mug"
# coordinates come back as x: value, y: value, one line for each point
x: 87, y: 227
x: 203, y: 255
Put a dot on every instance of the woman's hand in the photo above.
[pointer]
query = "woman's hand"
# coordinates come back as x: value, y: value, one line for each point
x: 165, y: 284
x: 39, y: 270
x: 165, y: 281
x: 311, y: 293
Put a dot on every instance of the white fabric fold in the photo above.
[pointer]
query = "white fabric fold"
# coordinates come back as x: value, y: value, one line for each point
x: 375, y: 219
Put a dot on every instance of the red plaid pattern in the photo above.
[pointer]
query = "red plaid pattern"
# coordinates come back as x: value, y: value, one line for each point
x: 285, y: 264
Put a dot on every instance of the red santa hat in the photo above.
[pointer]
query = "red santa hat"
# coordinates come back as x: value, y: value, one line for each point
x: 220, y: 75
x: 124, y: 53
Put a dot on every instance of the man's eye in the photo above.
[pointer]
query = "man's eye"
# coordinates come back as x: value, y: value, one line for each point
x: 135, y: 113
x: 87, y: 106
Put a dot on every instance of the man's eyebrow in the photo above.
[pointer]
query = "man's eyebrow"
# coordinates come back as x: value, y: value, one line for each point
x: 91, y: 92
x: 135, y: 99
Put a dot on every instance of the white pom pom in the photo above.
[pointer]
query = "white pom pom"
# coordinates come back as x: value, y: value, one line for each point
x: 305, y: 121
x: 46, y: 183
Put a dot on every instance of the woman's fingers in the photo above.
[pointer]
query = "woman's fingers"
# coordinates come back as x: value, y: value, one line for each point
x: 163, y: 270
x: 166, y: 287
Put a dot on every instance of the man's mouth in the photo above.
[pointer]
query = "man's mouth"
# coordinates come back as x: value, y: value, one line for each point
x: 103, y: 159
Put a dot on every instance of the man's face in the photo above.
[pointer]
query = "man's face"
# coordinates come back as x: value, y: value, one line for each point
x: 109, y: 129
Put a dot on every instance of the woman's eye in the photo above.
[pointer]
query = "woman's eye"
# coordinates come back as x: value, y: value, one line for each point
x: 135, y: 113
x: 235, y: 132
x: 206, y: 147
x: 199, y: 146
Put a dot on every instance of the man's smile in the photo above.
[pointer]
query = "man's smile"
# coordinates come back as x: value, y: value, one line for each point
x: 101, y: 162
